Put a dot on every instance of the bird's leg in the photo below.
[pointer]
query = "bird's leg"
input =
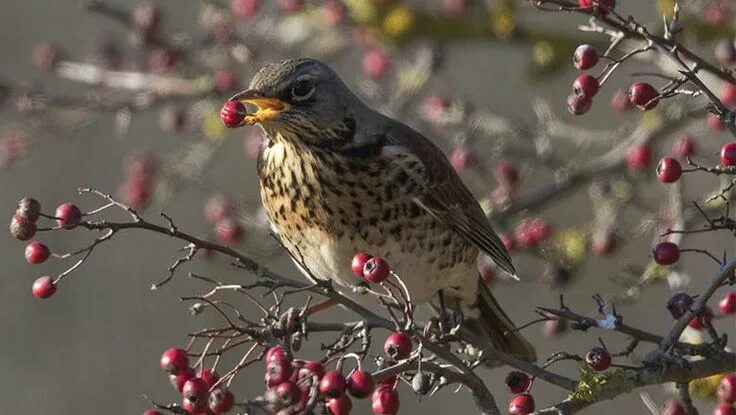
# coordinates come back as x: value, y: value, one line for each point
x: 447, y: 320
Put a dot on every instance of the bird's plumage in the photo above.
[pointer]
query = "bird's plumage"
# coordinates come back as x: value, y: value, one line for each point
x: 339, y: 178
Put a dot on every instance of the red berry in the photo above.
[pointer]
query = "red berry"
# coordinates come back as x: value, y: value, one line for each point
x: 221, y: 401
x: 714, y: 122
x: 598, y: 359
x: 195, y: 395
x: 178, y: 380
x: 244, y: 9
x: 578, y: 104
x: 358, y: 263
x: 727, y: 388
x: 727, y: 94
x: 228, y: 231
x: 43, y: 287
x: 643, y: 96
x: 288, y: 393
x: 639, y: 157
x: 666, y: 253
x: 375, y: 63
x: 209, y: 376
x: 225, y: 80
x: 673, y: 407
x: 29, y: 209
x: 141, y: 165
x: 360, y: 384
x: 152, y: 412
x: 376, y: 270
x: 678, y: 304
x: 601, y: 5
x: 36, y: 252
x: 278, y: 371
x: 700, y: 321
x: 340, y: 406
x: 21, y: 228
x: 585, y: 57
x: 385, y: 400
x: 135, y: 192
x: 531, y: 232
x: 669, y: 170
x: 521, y: 404
x: 314, y: 368
x: 620, y: 101
x: 68, y: 215
x: 724, y: 409
x: 434, y: 107
x: 728, y: 154
x: 728, y: 304
x: 332, y: 12
x: 218, y: 207
x: 332, y: 384
x: 175, y: 361
x: 585, y: 85
x: 398, y: 346
x: 518, y: 382
x: 683, y: 147
x: 715, y: 13
x: 506, y: 173
x: 233, y: 113
x: 462, y: 158
x: 276, y: 352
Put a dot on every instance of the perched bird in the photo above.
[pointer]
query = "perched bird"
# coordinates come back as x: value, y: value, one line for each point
x: 339, y: 178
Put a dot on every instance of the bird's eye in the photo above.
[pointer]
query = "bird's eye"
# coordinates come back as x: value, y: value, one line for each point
x: 302, y: 90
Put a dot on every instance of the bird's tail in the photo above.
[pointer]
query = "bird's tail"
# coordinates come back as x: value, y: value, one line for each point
x: 494, y: 325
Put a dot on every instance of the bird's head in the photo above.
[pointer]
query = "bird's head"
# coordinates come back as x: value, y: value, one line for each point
x: 301, y: 98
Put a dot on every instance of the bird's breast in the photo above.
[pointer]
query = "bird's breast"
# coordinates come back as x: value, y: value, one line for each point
x: 326, y: 207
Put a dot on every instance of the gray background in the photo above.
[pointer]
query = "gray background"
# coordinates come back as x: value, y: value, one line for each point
x: 94, y: 347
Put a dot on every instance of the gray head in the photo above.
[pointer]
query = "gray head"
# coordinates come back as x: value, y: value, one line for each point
x: 304, y: 99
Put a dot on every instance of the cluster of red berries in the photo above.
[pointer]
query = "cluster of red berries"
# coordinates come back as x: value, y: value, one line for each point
x: 289, y: 382
x: 140, y: 171
x: 641, y: 94
x: 519, y: 383
x: 201, y: 392
x: 371, y: 268
x: 220, y: 212
x: 23, y: 228
x: 681, y: 302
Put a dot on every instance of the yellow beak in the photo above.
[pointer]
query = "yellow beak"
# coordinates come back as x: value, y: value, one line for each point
x: 268, y: 108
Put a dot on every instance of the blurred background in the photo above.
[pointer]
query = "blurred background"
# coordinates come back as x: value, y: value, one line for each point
x: 94, y: 347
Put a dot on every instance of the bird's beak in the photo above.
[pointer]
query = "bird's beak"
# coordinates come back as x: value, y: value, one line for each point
x: 268, y: 108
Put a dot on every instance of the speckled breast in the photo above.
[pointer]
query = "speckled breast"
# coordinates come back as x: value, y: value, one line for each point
x: 326, y: 207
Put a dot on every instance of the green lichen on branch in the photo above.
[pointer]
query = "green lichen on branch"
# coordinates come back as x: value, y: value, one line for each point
x: 594, y: 387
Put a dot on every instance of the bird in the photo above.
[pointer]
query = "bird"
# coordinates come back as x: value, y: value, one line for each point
x: 338, y: 178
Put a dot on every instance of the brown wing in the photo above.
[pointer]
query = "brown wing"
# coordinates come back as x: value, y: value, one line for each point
x: 447, y: 198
